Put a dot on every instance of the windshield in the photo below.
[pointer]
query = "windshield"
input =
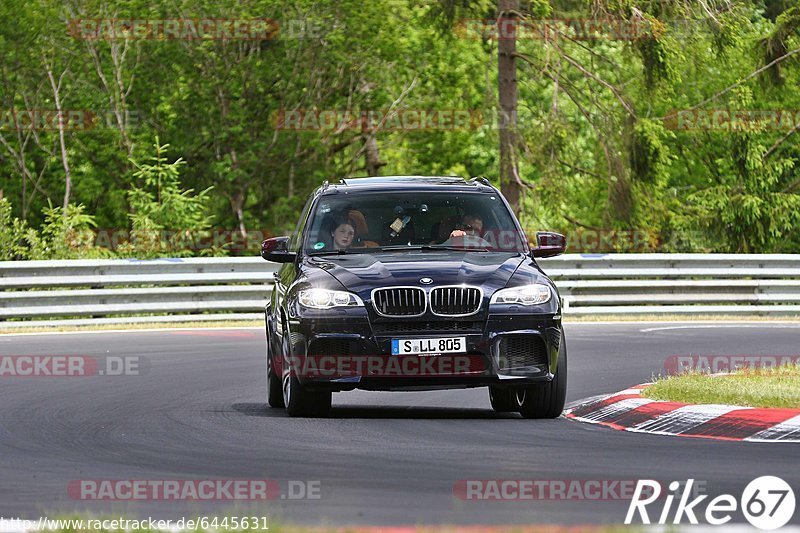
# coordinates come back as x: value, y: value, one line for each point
x: 365, y: 222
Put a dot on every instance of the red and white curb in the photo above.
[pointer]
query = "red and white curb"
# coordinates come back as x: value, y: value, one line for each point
x: 628, y: 411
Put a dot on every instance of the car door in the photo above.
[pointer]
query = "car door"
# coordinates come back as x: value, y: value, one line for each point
x: 288, y: 272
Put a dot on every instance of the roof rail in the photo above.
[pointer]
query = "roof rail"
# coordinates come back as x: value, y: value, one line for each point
x: 482, y: 179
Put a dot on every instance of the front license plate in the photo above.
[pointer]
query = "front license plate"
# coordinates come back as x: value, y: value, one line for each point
x: 429, y: 346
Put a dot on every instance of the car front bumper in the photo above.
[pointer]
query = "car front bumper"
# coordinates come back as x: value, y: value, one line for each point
x: 349, y: 352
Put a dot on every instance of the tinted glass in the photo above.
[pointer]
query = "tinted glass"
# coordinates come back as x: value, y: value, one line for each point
x: 364, y: 222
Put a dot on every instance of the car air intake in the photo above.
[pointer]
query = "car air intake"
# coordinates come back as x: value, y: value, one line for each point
x: 521, y: 351
x: 444, y: 326
x: 399, y: 301
x: 336, y: 347
x: 455, y: 301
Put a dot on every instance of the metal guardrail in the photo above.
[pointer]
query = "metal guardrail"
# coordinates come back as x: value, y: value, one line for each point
x: 111, y: 291
x: 125, y: 291
x: 766, y: 284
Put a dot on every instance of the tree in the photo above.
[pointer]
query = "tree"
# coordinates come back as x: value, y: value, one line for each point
x: 510, y: 182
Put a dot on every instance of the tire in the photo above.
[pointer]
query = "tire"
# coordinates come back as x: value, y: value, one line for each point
x: 302, y: 402
x: 503, y: 400
x: 298, y: 399
x: 547, y: 401
x: 274, y: 392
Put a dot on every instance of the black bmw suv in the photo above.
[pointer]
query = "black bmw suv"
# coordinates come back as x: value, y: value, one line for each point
x: 413, y: 283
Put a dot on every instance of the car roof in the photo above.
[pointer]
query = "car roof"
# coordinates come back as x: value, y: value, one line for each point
x: 404, y: 183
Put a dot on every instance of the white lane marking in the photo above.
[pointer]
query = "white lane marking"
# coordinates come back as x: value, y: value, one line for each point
x: 789, y: 325
x: 786, y: 431
x: 683, y: 419
x: 153, y: 330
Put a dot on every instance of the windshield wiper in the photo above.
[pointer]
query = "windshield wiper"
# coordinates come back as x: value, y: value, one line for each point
x: 434, y: 247
x: 332, y: 252
x: 404, y: 247
x: 459, y: 248
x: 349, y: 251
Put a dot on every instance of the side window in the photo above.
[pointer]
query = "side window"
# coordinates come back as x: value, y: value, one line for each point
x: 297, y: 235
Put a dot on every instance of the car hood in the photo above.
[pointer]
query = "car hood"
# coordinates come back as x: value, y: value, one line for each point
x: 360, y: 273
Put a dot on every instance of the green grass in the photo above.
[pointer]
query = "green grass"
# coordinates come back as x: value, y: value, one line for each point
x: 773, y: 387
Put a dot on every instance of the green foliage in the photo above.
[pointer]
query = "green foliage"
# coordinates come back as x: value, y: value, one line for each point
x: 65, y: 234
x: 164, y: 216
x: 16, y: 238
x: 776, y: 44
x: 596, y: 148
x: 651, y: 154
x: 749, y: 212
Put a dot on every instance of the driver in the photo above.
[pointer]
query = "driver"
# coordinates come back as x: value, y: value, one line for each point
x: 470, y: 225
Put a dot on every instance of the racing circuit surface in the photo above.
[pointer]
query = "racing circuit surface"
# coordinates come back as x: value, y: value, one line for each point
x: 198, y: 412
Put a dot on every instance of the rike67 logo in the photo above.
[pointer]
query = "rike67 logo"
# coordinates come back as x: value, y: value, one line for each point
x: 767, y: 503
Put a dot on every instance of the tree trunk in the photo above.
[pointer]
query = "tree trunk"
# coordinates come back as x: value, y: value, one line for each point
x: 620, y: 189
x: 507, y: 11
x: 237, y: 206
x: 372, y: 156
x: 64, y: 159
x: 116, y: 90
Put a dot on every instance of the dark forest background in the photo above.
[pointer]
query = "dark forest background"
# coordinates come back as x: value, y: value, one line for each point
x: 681, y: 137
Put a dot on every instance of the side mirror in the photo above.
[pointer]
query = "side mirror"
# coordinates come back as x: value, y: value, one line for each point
x: 276, y: 249
x: 549, y: 244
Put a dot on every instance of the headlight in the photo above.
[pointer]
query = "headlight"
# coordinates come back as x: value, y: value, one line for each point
x: 327, y: 299
x: 525, y: 295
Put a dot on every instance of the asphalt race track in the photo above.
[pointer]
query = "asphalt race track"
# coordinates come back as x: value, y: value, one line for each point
x: 197, y: 411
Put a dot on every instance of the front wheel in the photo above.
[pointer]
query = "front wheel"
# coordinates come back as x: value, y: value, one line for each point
x: 274, y: 393
x: 302, y: 402
x: 503, y: 400
x: 547, y: 401
x: 297, y: 397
